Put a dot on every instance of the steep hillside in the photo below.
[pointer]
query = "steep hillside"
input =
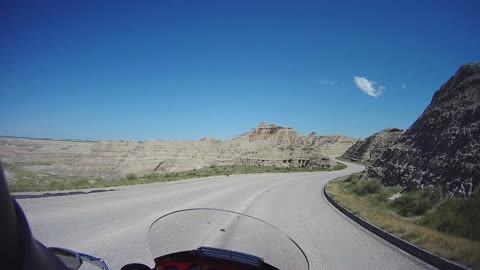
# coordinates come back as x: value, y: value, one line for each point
x: 371, y: 148
x: 442, y: 148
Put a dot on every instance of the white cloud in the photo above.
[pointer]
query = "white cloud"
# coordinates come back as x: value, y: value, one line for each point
x: 404, y: 85
x: 328, y: 82
x: 368, y: 86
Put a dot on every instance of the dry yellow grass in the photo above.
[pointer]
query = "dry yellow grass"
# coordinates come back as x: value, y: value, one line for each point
x: 461, y: 250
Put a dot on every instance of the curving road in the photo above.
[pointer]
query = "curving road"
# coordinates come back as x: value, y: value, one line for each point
x: 113, y: 225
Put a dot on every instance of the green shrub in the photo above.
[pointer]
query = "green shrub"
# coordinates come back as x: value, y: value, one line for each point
x: 457, y: 216
x: 383, y: 195
x: 433, y: 194
x: 418, y: 202
x: 352, y: 178
x: 412, y: 203
x: 365, y: 187
x: 373, y: 186
x: 339, y: 166
x: 131, y: 176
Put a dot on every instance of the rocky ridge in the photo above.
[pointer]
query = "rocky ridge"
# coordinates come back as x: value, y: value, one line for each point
x: 371, y: 148
x: 265, y: 145
x: 442, y: 148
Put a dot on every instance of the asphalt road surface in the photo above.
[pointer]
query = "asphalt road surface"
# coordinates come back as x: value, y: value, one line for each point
x: 114, y: 225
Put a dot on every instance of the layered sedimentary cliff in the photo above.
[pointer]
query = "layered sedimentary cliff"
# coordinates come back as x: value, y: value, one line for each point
x: 265, y: 145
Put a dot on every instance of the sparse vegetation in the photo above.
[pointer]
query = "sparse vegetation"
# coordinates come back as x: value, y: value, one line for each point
x: 363, y: 188
x: 339, y: 166
x: 30, y: 181
x: 449, y: 227
x: 457, y: 216
x: 131, y: 176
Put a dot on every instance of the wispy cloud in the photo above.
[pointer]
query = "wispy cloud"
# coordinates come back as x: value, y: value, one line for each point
x: 368, y: 86
x: 404, y: 85
x: 328, y: 82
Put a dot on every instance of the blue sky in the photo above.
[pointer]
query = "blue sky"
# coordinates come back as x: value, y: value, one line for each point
x: 188, y: 69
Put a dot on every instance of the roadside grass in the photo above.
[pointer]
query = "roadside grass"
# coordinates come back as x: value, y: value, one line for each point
x: 338, y: 166
x: 31, y: 181
x: 448, y: 227
x: 457, y: 216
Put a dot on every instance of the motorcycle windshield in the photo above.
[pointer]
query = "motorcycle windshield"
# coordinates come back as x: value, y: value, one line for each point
x: 194, y: 228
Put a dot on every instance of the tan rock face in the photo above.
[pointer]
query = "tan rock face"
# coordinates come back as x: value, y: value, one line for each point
x: 265, y: 145
x: 372, y: 148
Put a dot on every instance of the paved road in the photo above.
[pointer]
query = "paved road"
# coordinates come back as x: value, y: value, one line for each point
x: 114, y: 225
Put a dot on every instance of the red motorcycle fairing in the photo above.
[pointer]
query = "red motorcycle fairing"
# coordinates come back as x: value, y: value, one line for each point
x: 206, y: 258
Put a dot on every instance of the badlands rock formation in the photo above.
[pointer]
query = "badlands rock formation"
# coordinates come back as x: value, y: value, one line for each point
x: 371, y: 148
x: 443, y: 146
x: 265, y: 145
